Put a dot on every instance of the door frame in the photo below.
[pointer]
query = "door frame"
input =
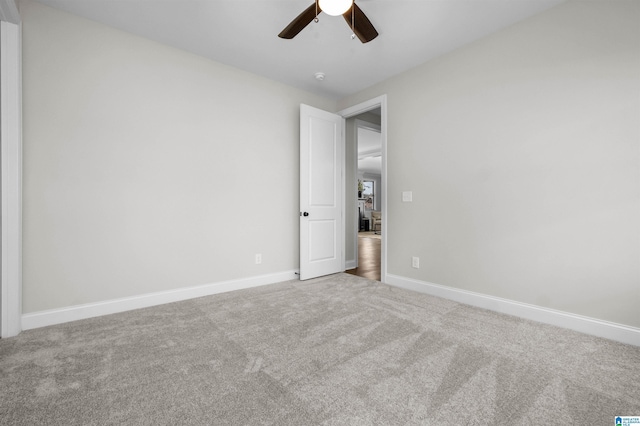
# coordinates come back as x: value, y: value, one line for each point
x: 361, y: 124
x: 378, y: 102
x: 11, y: 170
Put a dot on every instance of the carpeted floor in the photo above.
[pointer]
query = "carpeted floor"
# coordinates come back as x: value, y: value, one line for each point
x: 338, y: 350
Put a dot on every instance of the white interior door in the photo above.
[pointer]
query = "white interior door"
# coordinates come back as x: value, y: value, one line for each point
x: 321, y: 193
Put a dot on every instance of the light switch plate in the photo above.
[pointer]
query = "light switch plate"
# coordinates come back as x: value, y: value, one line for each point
x: 407, y: 196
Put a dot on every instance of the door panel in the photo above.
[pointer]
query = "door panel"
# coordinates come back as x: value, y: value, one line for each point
x: 323, y: 248
x: 321, y: 193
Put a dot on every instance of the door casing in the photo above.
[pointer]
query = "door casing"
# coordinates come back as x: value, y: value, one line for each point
x: 378, y: 102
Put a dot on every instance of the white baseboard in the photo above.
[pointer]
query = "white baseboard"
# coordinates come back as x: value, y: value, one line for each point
x: 592, y: 326
x: 90, y: 310
x: 349, y: 264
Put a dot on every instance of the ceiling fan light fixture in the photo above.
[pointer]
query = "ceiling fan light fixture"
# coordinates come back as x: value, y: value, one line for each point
x: 335, y: 7
x: 355, y: 18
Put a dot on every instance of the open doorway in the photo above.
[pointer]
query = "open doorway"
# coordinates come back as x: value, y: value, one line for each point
x: 368, y: 143
x: 365, y: 191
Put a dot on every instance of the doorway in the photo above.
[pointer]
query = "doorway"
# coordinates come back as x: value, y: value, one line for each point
x: 365, y: 191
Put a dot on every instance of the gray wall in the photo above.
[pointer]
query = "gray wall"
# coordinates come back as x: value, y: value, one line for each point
x: 147, y: 168
x: 522, y: 152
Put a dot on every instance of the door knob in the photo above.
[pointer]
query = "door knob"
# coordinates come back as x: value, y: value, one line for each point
x: 305, y: 214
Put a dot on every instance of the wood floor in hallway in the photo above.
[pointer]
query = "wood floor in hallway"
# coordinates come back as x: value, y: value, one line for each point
x: 368, y: 258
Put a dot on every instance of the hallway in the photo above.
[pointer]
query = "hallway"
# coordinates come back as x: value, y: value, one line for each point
x: 368, y: 256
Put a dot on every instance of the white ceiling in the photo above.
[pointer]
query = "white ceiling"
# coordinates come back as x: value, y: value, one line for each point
x: 370, y: 165
x: 243, y: 33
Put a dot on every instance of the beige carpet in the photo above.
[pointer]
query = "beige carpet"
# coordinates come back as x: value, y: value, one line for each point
x: 339, y: 350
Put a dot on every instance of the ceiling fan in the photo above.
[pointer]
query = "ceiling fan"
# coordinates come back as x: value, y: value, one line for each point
x: 355, y: 17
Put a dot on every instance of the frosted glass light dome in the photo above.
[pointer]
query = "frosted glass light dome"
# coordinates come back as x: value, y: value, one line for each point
x: 335, y: 7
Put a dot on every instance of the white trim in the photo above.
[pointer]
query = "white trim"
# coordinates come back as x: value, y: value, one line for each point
x: 381, y: 102
x: 11, y: 171
x: 353, y: 195
x: 350, y: 264
x: 343, y: 188
x: 9, y: 12
x: 595, y: 327
x: 90, y: 310
x: 364, y: 107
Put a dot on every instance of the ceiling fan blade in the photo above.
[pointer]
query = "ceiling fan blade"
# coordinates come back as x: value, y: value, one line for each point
x: 362, y: 26
x: 300, y: 22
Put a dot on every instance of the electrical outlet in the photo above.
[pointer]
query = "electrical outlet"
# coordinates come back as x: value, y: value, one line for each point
x: 258, y: 259
x: 415, y: 262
